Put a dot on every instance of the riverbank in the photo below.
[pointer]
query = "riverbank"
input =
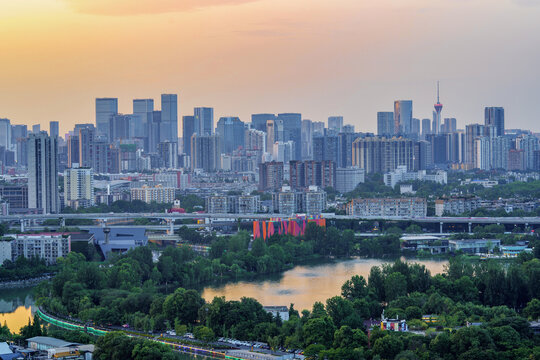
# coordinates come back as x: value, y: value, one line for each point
x: 17, y: 284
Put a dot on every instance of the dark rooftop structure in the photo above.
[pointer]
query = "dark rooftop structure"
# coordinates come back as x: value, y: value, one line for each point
x: 118, y: 240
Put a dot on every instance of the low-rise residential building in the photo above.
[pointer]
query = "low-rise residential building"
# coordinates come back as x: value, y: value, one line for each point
x: 5, y: 249
x: 47, y: 246
x: 457, y: 205
x: 281, y: 311
x: 233, y: 204
x: 402, y: 207
x: 313, y: 200
x: 149, y: 194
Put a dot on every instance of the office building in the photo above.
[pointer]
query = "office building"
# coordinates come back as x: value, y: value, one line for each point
x: 169, y: 118
x: 426, y: 127
x: 188, y: 129
x: 270, y: 176
x: 403, y: 110
x: 119, y: 127
x: 142, y: 111
x: 347, y: 179
x: 79, y: 187
x: 86, y: 147
x: 449, y: 125
x: 258, y: 121
x: 415, y: 128
x: 54, y: 130
x: 204, y: 121
x: 495, y: 116
x: 43, y: 173
x: 335, y: 124
x: 105, y: 109
x: 36, y: 128
x: 205, y: 153
x: 17, y: 132
x: 387, y: 207
x: 5, y: 133
x: 292, y: 131
x: 148, y: 194
x: 231, y: 133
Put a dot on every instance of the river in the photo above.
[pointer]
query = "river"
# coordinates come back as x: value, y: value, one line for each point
x: 302, y: 286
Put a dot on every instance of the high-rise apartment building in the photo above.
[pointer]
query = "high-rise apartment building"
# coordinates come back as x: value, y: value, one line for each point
x: 43, y: 173
x: 158, y: 194
x: 105, y: 109
x: 79, y: 187
x: 270, y: 176
x: 495, y: 116
x: 169, y: 118
x: 120, y: 127
x: 205, y: 153
x: 168, y: 155
x: 307, y: 138
x: 403, y: 110
x: 385, y: 123
x: 472, y: 131
x: 204, y: 121
x: 380, y: 155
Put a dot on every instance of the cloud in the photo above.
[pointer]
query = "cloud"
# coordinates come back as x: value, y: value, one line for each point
x: 141, y: 7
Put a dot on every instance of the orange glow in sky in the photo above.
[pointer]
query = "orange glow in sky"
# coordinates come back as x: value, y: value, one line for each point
x: 320, y: 58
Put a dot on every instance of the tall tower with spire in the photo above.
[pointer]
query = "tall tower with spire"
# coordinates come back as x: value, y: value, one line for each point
x: 438, y: 108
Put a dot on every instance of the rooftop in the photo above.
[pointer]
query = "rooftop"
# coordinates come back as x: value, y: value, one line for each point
x: 50, y: 341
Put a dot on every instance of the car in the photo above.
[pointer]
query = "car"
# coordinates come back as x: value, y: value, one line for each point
x: 125, y: 326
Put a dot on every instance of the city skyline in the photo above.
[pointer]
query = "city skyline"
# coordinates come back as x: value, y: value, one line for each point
x: 261, y: 56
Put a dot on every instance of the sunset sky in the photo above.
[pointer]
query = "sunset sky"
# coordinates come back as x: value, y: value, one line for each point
x: 320, y: 58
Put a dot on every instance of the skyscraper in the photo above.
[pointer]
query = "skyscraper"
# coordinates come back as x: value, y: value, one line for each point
x: 105, y: 109
x: 188, y: 129
x: 258, y: 121
x: 231, y: 132
x: 438, y: 108
x: 335, y: 124
x: 402, y: 117
x: 385, y: 123
x: 495, y: 116
x: 472, y: 131
x: 292, y: 131
x: 204, y: 121
x: 120, y: 127
x: 5, y: 133
x: 53, y: 128
x: 42, y: 173
x: 142, y: 111
x: 169, y: 118
x: 36, y: 128
x: 426, y: 127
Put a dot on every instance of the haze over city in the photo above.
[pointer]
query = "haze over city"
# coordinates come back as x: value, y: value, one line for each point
x: 350, y: 58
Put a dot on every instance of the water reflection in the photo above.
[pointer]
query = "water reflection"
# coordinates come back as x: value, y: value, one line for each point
x: 303, y: 285
x: 16, y: 307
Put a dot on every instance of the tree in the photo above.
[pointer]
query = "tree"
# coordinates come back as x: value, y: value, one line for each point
x: 532, y: 310
x: 204, y: 333
x: 388, y: 347
x: 355, y: 288
x: 258, y: 248
x: 183, y: 305
x: 395, y: 285
x: 319, y: 331
x: 339, y: 309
